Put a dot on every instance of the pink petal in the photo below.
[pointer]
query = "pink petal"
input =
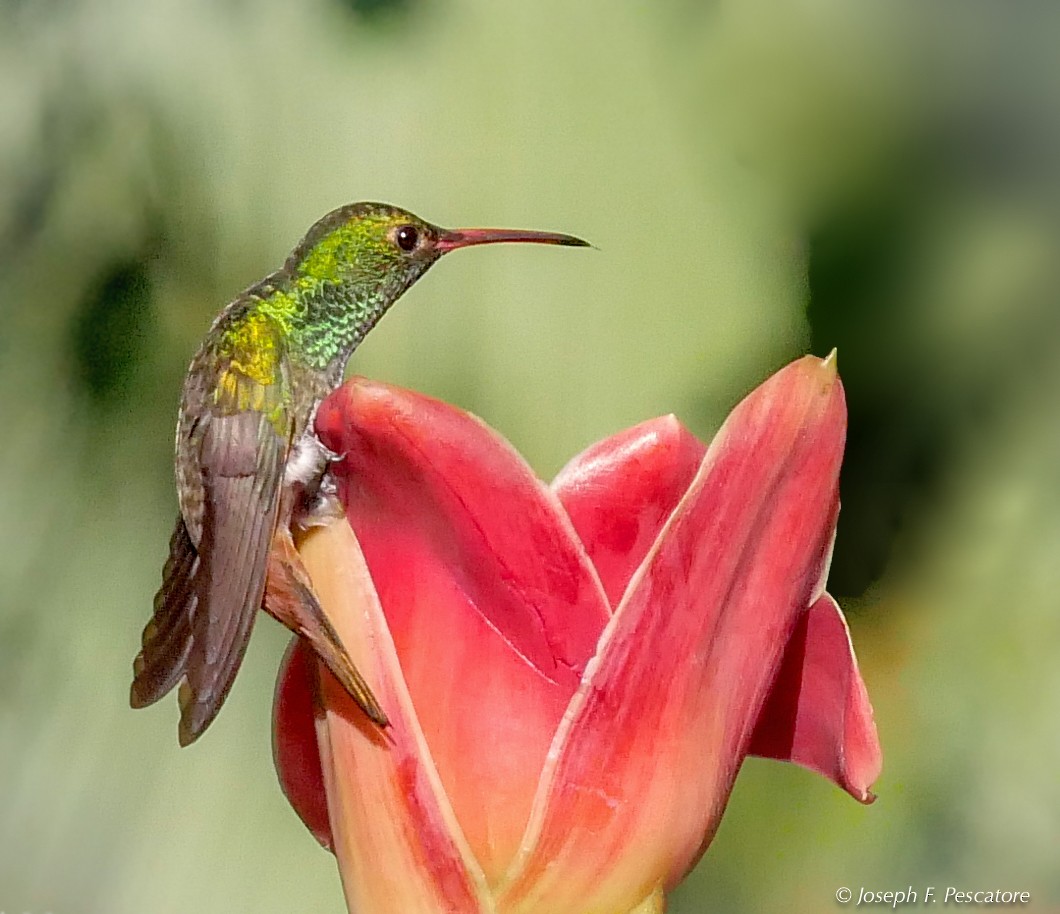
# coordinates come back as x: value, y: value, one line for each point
x: 492, y: 602
x: 621, y: 491
x: 294, y: 741
x: 399, y: 846
x: 818, y: 713
x: 643, y: 764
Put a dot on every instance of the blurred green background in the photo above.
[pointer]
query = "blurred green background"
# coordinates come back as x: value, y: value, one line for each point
x: 761, y: 178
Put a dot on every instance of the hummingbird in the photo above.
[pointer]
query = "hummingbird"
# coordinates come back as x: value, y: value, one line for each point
x: 250, y: 470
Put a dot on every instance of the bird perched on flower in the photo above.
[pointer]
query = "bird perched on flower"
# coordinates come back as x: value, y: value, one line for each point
x: 250, y: 468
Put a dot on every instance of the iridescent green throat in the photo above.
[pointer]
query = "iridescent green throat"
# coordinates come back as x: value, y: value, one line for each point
x: 323, y: 325
x: 324, y: 320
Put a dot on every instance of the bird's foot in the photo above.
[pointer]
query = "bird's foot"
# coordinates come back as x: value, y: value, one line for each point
x: 329, y: 455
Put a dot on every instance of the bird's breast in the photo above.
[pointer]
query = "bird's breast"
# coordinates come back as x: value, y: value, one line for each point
x: 306, y: 462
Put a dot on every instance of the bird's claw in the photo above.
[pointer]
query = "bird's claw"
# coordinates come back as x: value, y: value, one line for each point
x: 331, y: 456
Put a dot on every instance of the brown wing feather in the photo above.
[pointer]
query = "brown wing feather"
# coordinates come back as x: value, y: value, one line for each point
x: 242, y: 461
x: 236, y: 421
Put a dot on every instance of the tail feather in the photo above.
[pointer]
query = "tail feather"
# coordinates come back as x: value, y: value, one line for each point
x: 167, y: 637
x: 289, y: 598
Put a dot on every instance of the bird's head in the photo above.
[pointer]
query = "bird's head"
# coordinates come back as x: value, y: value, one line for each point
x: 377, y: 251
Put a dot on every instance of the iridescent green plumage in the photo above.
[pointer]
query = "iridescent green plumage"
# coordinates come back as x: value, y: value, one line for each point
x: 248, y: 464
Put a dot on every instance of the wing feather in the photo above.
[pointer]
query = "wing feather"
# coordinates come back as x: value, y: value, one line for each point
x: 233, y: 438
x: 238, y: 522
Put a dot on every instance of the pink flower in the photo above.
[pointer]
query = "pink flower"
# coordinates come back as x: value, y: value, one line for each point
x: 573, y: 673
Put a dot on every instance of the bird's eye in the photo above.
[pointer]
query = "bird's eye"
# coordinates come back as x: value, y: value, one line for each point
x: 407, y: 238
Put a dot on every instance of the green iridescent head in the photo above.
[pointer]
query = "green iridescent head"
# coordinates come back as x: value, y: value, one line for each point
x: 353, y: 265
x: 374, y: 250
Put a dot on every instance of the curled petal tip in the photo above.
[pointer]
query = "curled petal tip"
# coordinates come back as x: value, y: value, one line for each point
x: 816, y: 374
x: 826, y: 370
x: 830, y: 362
x: 818, y: 713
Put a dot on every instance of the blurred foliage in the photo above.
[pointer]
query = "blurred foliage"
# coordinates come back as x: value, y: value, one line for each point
x: 373, y: 11
x: 111, y: 331
x: 761, y: 177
